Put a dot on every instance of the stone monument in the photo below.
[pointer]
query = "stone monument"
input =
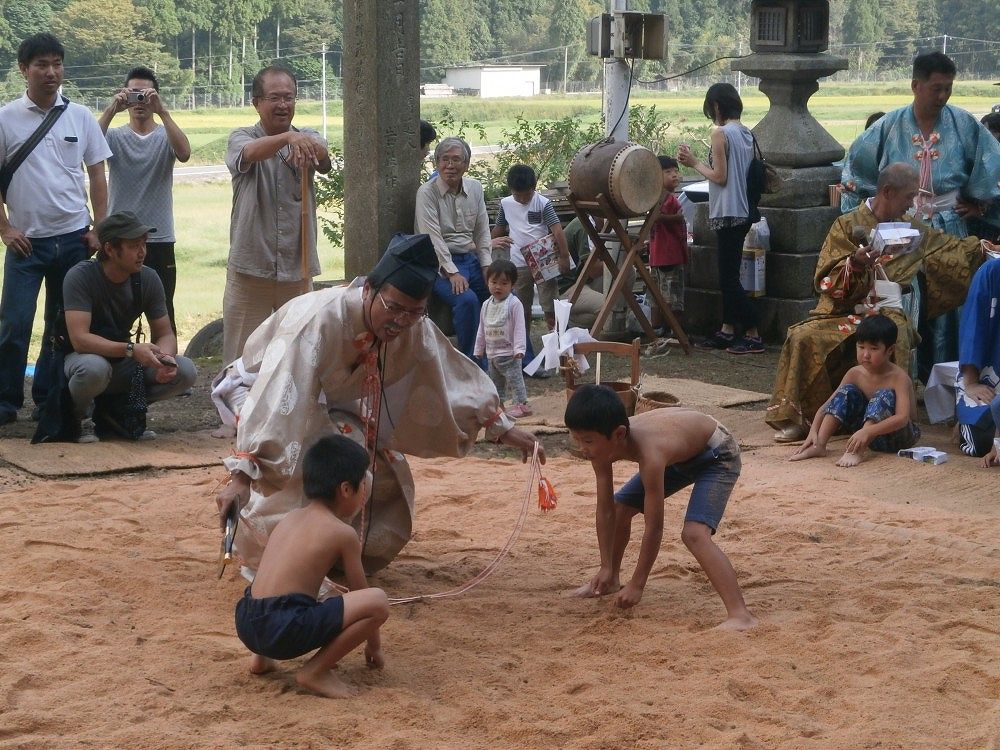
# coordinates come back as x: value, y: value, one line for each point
x: 381, y: 126
x: 788, y: 39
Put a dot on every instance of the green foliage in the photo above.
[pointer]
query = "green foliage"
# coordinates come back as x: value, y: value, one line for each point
x: 330, y: 199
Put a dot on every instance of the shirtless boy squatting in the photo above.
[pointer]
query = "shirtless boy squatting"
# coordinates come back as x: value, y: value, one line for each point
x: 875, y: 401
x: 279, y: 616
x: 674, y: 448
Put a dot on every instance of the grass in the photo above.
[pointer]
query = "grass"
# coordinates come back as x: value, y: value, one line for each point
x: 202, y: 209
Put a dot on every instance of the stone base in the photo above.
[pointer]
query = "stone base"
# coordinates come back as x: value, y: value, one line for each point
x: 789, y: 276
x: 703, y: 312
x: 803, y: 188
x: 793, y: 230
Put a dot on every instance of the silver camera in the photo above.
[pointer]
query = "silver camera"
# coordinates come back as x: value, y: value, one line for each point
x: 135, y: 96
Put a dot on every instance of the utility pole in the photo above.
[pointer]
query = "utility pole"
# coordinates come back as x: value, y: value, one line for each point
x: 565, y: 65
x: 944, y: 45
x: 616, y: 86
x: 323, y: 79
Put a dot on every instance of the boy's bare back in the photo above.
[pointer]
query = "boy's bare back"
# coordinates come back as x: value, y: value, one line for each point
x: 301, y: 550
x: 670, y: 435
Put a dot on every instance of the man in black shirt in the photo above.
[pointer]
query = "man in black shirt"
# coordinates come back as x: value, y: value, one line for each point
x: 103, y: 298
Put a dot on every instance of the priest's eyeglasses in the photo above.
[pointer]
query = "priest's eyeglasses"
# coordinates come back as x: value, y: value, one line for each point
x: 401, y: 314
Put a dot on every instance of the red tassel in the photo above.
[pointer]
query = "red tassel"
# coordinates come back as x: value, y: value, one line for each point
x: 546, y: 494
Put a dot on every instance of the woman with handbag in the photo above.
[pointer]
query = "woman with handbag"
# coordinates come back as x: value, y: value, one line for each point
x: 729, y: 215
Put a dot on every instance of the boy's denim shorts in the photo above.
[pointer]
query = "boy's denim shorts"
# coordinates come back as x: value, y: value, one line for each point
x: 713, y: 472
x: 287, y: 626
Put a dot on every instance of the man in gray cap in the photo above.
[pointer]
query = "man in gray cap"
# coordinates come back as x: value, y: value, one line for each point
x: 103, y: 298
x: 366, y: 362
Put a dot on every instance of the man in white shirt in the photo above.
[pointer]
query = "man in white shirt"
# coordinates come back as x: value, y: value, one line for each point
x: 46, y: 224
x: 141, y: 171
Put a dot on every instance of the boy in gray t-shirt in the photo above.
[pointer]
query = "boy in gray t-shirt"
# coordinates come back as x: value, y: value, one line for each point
x: 141, y: 171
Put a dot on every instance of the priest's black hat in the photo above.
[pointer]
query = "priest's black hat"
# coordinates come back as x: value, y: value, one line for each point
x: 409, y: 264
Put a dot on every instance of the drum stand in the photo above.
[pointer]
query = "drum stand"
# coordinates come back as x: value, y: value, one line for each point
x: 599, y: 213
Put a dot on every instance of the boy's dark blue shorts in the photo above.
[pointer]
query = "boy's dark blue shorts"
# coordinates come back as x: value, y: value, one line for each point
x: 283, y: 627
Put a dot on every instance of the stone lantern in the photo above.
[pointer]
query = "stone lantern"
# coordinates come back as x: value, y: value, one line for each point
x: 789, y: 26
x: 789, y: 39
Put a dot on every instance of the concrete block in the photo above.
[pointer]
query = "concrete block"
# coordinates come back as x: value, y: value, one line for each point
x: 703, y: 312
x: 790, y: 276
x: 803, y: 188
x: 799, y: 230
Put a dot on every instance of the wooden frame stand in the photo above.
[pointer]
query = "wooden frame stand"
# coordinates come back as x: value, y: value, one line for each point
x: 602, y: 224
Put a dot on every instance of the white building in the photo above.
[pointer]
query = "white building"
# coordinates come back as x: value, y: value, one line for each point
x: 496, y: 80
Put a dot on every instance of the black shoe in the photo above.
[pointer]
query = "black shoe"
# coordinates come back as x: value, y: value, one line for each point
x: 717, y: 340
x: 7, y: 417
x: 747, y: 345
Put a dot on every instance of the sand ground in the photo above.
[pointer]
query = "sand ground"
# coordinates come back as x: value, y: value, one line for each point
x: 878, y: 590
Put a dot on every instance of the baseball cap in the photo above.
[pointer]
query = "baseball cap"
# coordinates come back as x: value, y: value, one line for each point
x: 123, y: 225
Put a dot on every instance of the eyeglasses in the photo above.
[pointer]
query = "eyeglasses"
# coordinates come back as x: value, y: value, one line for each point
x: 450, y: 160
x: 273, y: 99
x: 401, y: 314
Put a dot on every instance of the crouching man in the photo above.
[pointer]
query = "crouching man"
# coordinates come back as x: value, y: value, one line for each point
x: 103, y: 298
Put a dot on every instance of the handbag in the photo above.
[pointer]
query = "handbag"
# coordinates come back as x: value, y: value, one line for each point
x: 761, y: 178
x: 884, y: 293
x: 7, y: 173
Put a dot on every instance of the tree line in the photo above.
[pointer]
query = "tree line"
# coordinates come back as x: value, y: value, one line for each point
x: 217, y: 45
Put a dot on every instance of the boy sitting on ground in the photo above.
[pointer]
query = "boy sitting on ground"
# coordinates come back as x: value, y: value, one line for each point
x: 279, y: 616
x: 875, y: 401
x: 674, y: 448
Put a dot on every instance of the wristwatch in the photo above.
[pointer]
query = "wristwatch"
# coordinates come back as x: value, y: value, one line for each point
x: 129, y: 350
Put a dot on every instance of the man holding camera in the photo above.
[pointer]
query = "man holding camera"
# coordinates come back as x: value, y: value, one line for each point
x: 104, y: 297
x: 141, y: 171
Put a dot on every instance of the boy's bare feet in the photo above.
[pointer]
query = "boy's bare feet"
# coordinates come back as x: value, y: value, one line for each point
x: 738, y: 622
x: 849, y: 459
x: 261, y: 664
x: 324, y: 682
x: 813, y: 451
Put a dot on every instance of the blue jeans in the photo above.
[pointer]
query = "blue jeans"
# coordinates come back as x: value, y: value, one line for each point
x: 465, y: 307
x: 50, y: 259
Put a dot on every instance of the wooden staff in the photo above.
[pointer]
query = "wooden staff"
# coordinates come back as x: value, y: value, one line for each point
x: 304, y: 231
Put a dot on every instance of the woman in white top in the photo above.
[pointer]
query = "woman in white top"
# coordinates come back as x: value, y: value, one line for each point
x: 729, y: 214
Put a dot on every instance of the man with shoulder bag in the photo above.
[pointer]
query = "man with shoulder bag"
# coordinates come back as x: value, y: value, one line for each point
x: 104, y: 297
x: 44, y: 141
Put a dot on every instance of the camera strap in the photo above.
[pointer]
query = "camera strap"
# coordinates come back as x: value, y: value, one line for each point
x: 7, y: 173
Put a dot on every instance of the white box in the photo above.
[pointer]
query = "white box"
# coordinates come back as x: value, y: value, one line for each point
x: 752, y: 271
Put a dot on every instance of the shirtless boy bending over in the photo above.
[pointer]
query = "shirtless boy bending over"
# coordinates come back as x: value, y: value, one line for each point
x: 674, y: 448
x: 279, y: 616
x: 875, y: 401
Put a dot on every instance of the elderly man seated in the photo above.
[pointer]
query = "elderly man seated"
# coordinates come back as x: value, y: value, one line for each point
x: 819, y: 350
x: 104, y: 297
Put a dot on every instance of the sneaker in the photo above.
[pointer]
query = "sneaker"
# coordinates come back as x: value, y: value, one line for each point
x: 87, y: 432
x: 659, y: 348
x: 747, y: 345
x: 519, y: 410
x: 717, y: 340
x: 148, y: 435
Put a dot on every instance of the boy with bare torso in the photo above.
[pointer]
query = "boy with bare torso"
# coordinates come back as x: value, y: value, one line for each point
x: 674, y: 448
x: 875, y: 401
x: 279, y: 616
